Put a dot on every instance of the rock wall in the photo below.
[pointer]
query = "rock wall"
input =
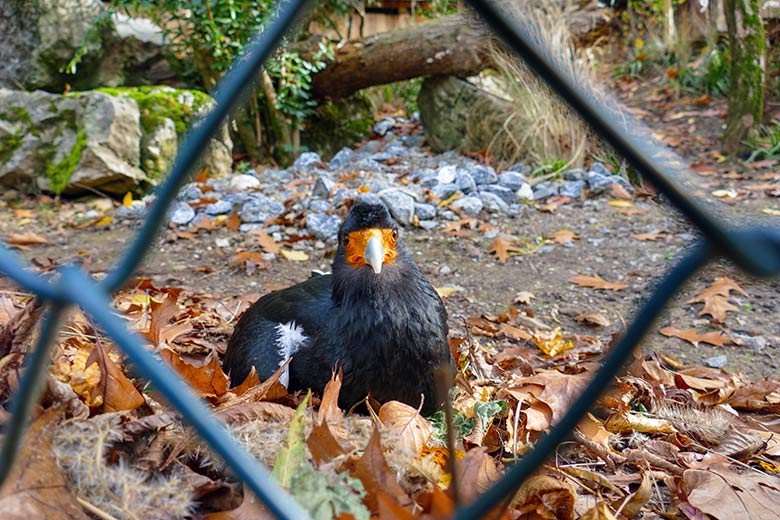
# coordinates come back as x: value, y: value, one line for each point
x: 112, y: 140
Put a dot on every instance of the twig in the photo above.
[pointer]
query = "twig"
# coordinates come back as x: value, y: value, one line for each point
x: 94, y: 510
x: 609, y: 458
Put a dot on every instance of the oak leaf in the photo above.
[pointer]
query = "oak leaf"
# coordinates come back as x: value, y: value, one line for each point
x: 503, y: 249
x: 650, y: 236
x: 22, y: 240
x: 596, y: 282
x: 564, y: 236
x: 715, y: 298
x: 267, y: 242
x: 595, y: 319
x: 692, y: 336
x: 546, y: 498
x: 208, y: 380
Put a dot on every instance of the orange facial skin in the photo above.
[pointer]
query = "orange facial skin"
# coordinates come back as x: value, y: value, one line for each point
x: 355, y: 245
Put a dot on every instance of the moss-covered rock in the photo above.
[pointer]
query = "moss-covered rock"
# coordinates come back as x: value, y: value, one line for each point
x: 113, y: 140
x: 339, y: 123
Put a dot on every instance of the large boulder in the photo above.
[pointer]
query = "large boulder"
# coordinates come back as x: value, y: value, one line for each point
x: 41, y: 38
x: 113, y: 141
x: 458, y: 115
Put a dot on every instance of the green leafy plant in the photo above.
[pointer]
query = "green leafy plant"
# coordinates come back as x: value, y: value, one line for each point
x: 767, y: 145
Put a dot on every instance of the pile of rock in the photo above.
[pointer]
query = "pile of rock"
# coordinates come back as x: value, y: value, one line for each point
x: 418, y: 188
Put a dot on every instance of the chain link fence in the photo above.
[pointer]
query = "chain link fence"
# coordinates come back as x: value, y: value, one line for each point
x: 754, y: 249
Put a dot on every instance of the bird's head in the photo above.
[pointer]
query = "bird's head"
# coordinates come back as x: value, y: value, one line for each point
x: 368, y: 238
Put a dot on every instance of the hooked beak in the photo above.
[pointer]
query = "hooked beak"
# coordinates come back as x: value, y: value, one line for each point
x: 374, y: 254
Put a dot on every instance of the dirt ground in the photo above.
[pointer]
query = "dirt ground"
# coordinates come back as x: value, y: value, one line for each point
x: 606, y: 247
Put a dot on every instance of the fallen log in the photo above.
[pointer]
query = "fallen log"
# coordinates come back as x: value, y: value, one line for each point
x: 451, y: 45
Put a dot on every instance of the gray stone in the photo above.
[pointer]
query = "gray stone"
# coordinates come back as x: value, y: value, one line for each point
x: 370, y: 147
x: 444, y: 191
x: 446, y: 174
x: 484, y: 174
x: 598, y: 183
x: 219, y: 208
x: 492, y: 202
x: 413, y: 140
x: 384, y: 126
x: 342, y: 158
x: 190, y: 192
x: 427, y: 177
x: 448, y: 215
x: 342, y: 194
x: 573, y: 189
x: 381, y: 156
x: 471, y: 206
x: 400, y: 204
x: 136, y: 211
x: 716, y: 361
x: 600, y: 168
x: 424, y: 211
x: 248, y: 228
x: 465, y: 181
x: 511, y: 180
x: 258, y: 209
x: 618, y: 179
x: 521, y: 168
x: 544, y: 190
x: 243, y: 182
x: 238, y: 198
x: 323, y: 186
x: 368, y: 165
x: 525, y: 192
x: 158, y: 148
x: 318, y: 206
x: 323, y: 226
x: 506, y: 194
x: 181, y: 213
x: 428, y: 224
x: 307, y: 160
x: 575, y: 174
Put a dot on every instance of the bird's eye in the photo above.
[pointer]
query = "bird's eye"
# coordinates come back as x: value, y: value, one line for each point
x: 395, y: 234
x: 345, y: 240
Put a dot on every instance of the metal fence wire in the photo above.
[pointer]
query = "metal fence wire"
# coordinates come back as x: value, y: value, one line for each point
x: 756, y: 250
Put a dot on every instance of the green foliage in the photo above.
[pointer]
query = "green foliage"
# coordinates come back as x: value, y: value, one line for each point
x: 93, y: 39
x: 8, y: 145
x: 326, y: 496
x: 551, y: 169
x: 767, y: 145
x: 404, y: 92
x: 618, y: 164
x: 293, y: 454
x: 463, y: 425
x: 489, y: 409
x: 293, y: 75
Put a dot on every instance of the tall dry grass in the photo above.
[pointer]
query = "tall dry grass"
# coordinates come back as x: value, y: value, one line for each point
x: 538, y: 127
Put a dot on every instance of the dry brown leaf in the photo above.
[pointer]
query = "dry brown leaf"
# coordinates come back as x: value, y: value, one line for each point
x: 633, y: 504
x: 717, y: 307
x: 208, y: 380
x: 503, y: 249
x: 717, y: 339
x: 513, y: 333
x: 758, y: 396
x: 555, y: 389
x: 404, y: 424
x: 651, y: 236
x: 596, y: 282
x: 389, y: 510
x: 594, y: 319
x: 161, y: 313
x: 545, y: 498
x: 617, y: 191
x: 564, y: 236
x: 36, y: 487
x: 251, y: 508
x: 249, y: 381
x: 598, y: 512
x: 453, y: 228
x: 627, y: 422
x: 267, y: 242
x: 323, y: 445
x: 594, y: 430
x: 375, y: 474
x: 715, y: 298
x: 523, y: 297
x: 22, y: 240
x: 329, y: 411
x: 477, y: 472
x: 233, y: 223
x: 114, y: 390
x: 725, y: 494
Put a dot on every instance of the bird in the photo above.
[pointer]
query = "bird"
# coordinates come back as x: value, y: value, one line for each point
x: 375, y: 317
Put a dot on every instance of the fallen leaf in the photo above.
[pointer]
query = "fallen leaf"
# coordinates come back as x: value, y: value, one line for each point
x: 759, y: 396
x: 323, y: 445
x: 551, y: 342
x: 633, y: 505
x: 292, y: 454
x: 619, y: 203
x: 22, y: 240
x: 717, y: 339
x: 251, y: 508
x: 443, y: 292
x: 545, y: 498
x: 598, y: 512
x: 715, y: 298
x: 36, y: 486
x: 725, y: 494
x: 375, y: 474
x: 596, y: 282
x: 404, y: 424
x: 127, y: 200
x: 477, y: 472
x: 564, y: 236
x: 555, y: 389
x: 523, y: 297
x: 617, y: 191
x: 651, y: 236
x: 593, y: 319
x: 268, y: 243
x: 233, y: 223
x: 294, y: 255
x: 114, y: 391
x: 503, y: 248
x: 627, y: 422
x: 329, y: 411
x: 208, y: 380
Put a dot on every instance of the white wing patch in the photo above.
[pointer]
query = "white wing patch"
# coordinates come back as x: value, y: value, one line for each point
x: 290, y: 338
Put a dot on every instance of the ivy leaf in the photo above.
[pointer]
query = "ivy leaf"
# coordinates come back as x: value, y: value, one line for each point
x: 292, y: 455
x: 487, y: 410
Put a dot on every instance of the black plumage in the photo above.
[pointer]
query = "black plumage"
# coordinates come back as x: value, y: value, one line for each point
x: 387, y: 330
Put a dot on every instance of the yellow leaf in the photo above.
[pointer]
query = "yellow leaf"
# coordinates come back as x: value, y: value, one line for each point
x: 141, y: 299
x: 725, y: 194
x: 551, y: 342
x: 221, y: 218
x: 104, y: 221
x: 771, y: 211
x: 294, y: 256
x: 639, y: 42
x: 450, y: 200
x: 719, y: 158
x: 617, y: 203
x: 127, y: 200
x: 446, y: 291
